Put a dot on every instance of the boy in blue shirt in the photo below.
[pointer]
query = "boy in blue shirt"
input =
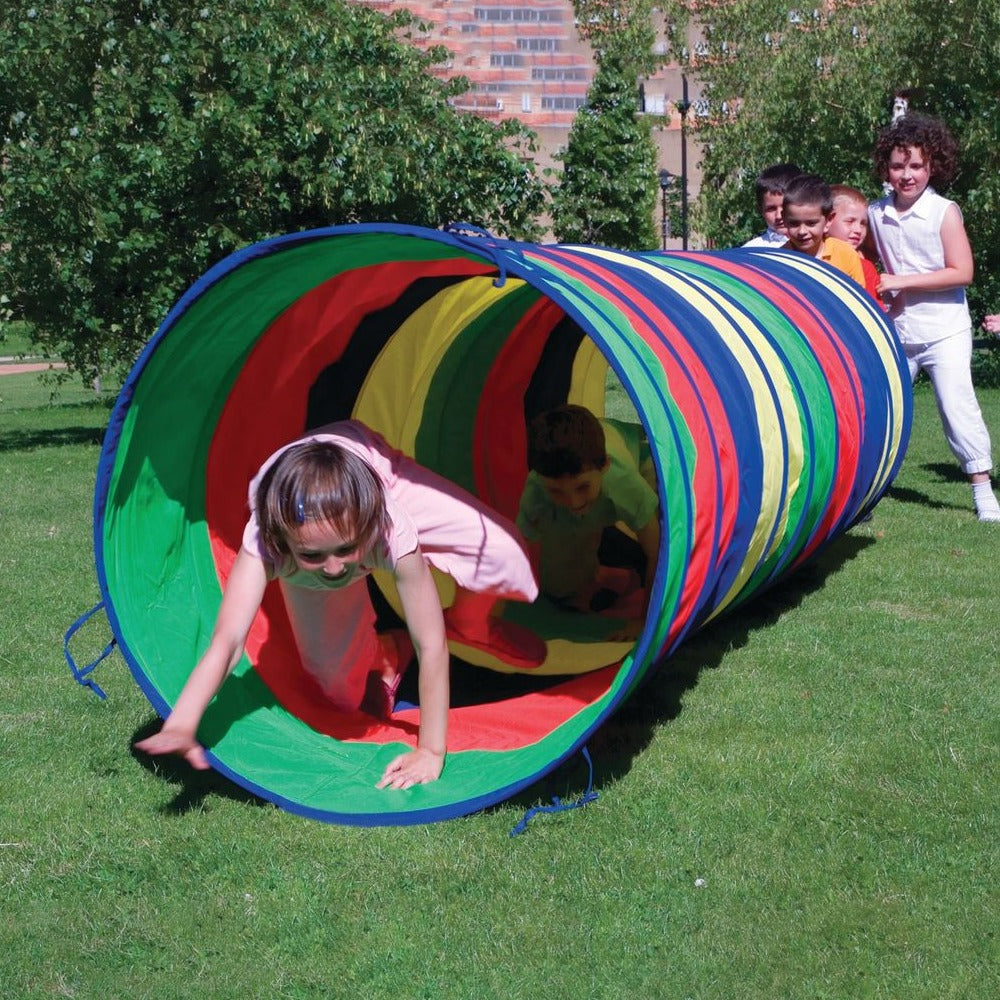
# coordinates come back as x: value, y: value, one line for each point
x: 584, y: 478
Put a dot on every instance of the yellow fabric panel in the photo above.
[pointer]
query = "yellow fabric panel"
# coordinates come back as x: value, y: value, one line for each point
x: 589, y: 377
x: 394, y: 392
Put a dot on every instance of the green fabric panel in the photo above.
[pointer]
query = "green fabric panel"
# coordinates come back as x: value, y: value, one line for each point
x: 157, y: 557
x: 256, y: 738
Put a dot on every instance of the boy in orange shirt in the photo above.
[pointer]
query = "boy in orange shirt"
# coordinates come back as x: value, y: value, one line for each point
x: 849, y: 223
x: 807, y: 210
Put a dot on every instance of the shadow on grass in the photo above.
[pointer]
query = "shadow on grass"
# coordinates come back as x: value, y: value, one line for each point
x: 193, y: 787
x: 660, y: 698
x: 57, y: 438
x: 946, y: 472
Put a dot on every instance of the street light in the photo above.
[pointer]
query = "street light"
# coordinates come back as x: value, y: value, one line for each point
x: 665, y: 178
x: 683, y: 107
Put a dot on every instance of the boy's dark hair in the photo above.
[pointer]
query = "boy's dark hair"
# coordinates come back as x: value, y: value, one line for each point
x: 810, y: 189
x: 774, y: 179
x: 566, y: 441
x: 926, y: 133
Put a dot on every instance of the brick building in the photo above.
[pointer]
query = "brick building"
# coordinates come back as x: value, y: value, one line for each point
x: 524, y: 59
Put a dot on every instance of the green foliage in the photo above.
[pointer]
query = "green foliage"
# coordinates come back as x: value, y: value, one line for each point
x: 143, y: 140
x: 986, y: 365
x: 814, y: 88
x: 608, y: 186
x: 622, y: 28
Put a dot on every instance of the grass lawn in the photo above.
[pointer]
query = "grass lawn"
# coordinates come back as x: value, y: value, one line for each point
x: 804, y: 804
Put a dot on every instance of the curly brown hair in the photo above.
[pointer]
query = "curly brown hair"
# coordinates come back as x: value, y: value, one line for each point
x: 925, y: 133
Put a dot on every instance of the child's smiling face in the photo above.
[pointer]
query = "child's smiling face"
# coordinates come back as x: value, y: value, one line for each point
x: 318, y: 547
x: 849, y: 221
x: 806, y: 225
x: 908, y: 173
x: 576, y: 493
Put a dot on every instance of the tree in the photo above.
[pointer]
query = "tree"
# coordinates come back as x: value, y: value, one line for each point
x: 608, y: 187
x: 814, y: 86
x: 143, y: 140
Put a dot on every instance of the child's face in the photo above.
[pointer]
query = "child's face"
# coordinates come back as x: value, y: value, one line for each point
x: 908, y: 173
x: 770, y: 209
x: 576, y: 493
x: 317, y: 547
x: 849, y: 221
x: 806, y: 226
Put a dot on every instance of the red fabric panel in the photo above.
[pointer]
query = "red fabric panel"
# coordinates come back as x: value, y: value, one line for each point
x: 840, y: 372
x: 499, y: 425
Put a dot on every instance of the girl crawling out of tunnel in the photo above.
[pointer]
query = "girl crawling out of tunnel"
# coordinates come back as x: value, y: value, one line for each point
x: 325, y: 511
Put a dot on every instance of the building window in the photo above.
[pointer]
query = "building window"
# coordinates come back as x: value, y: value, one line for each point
x: 563, y: 103
x: 538, y: 44
x: 506, y: 59
x: 558, y: 73
x: 522, y: 14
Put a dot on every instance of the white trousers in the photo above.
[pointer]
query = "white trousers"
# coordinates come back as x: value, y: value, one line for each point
x: 948, y: 363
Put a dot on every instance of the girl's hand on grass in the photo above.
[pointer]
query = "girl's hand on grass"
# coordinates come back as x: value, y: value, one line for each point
x: 178, y: 742
x: 417, y: 767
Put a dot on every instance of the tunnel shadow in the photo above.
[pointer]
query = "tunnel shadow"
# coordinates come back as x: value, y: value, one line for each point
x: 946, y: 472
x: 192, y: 787
x: 57, y: 438
x: 660, y: 698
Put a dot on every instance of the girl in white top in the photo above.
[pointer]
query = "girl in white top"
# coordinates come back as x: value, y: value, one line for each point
x: 925, y: 252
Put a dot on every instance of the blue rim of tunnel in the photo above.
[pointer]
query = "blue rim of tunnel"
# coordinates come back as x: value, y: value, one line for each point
x: 507, y: 257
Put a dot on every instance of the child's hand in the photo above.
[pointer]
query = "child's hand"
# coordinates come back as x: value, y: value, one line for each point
x: 175, y: 741
x: 888, y: 283
x: 992, y: 323
x: 417, y: 767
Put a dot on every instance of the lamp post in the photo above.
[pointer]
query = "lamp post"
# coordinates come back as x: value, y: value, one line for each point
x: 665, y: 178
x: 683, y: 107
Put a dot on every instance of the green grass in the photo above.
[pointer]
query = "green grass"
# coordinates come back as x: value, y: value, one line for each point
x: 16, y: 342
x: 825, y: 760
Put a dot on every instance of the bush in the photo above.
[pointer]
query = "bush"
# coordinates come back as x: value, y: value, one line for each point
x: 143, y: 141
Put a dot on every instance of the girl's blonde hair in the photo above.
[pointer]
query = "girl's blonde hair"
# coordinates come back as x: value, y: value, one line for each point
x: 320, y: 481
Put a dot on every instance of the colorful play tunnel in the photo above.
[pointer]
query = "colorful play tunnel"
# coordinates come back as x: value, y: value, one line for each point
x: 770, y: 387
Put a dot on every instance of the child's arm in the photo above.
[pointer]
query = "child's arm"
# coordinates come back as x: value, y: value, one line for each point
x: 242, y: 596
x: 425, y: 621
x: 957, y: 270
